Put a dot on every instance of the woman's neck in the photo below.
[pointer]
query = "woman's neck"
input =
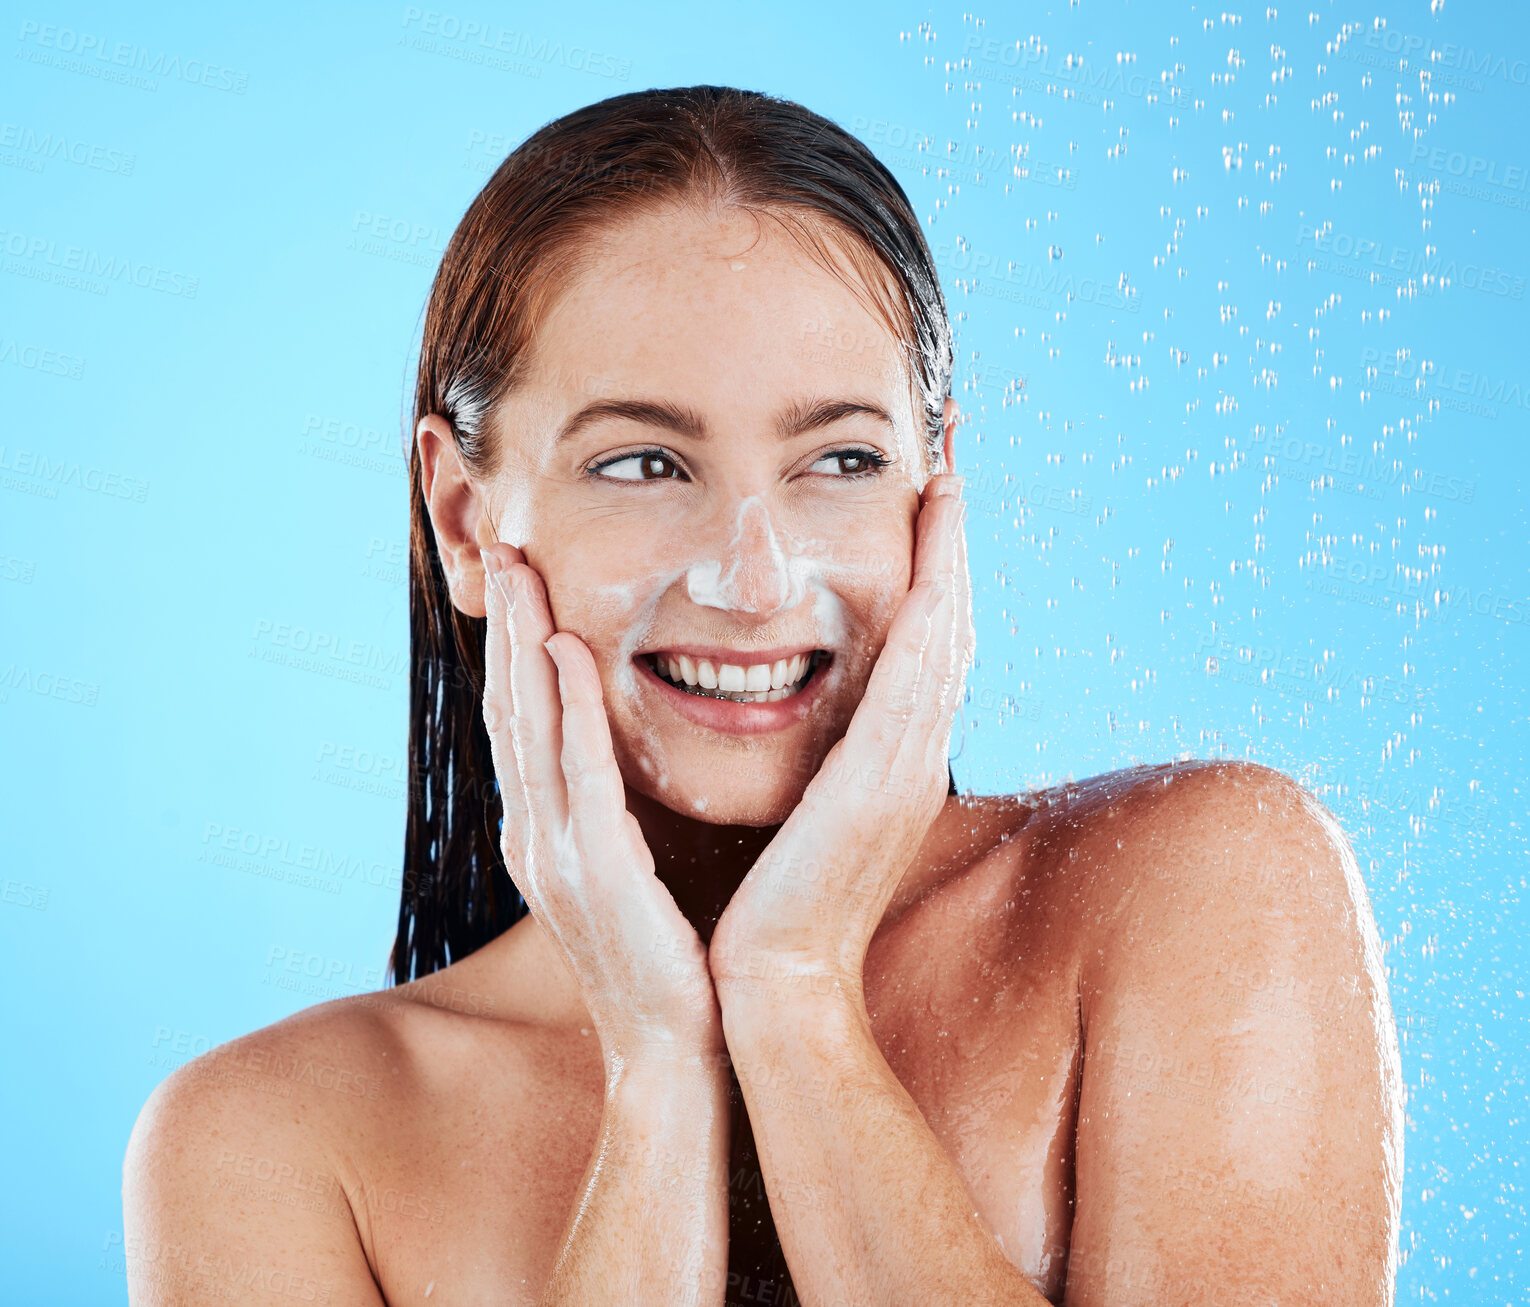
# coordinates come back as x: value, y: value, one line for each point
x: 701, y: 864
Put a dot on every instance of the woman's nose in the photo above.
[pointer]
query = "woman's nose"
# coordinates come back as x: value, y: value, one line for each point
x: 750, y: 570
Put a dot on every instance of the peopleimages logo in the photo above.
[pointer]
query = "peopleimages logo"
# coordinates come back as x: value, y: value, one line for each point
x: 1463, y: 390
x: 1023, y: 282
x: 1412, y: 271
x: 1388, y: 585
x: 426, y: 27
x: 45, y: 258
x: 35, y: 147
x: 1475, y: 177
x: 1471, y: 167
x: 82, y: 46
x: 1030, y: 64
x: 1450, y: 66
x: 1301, y: 675
x: 963, y: 162
x: 1367, y: 474
x: 39, y: 359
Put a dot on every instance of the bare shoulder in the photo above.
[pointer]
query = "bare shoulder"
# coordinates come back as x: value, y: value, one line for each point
x: 254, y: 1167
x: 1240, y: 1058
x: 235, y: 1177
x: 1233, y: 857
x: 1128, y: 837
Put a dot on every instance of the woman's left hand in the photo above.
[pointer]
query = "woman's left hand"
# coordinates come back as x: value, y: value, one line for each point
x: 808, y: 908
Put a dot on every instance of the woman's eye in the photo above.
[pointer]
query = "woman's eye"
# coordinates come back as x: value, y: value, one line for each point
x: 647, y: 466
x: 852, y: 462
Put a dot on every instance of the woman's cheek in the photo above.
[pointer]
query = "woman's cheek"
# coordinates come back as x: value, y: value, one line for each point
x: 612, y: 618
x: 874, y: 599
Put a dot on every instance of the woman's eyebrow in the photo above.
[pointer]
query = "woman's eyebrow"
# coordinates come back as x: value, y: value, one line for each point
x: 802, y: 416
x: 650, y: 412
x: 797, y: 418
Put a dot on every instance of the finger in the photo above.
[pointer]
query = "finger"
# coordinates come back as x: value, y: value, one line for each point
x: 968, y: 630
x: 940, y: 669
x: 951, y: 679
x: 499, y: 700
x: 936, y: 540
x: 596, y: 795
x: 959, y: 639
x: 899, y: 683
x: 536, y: 724
x: 499, y: 706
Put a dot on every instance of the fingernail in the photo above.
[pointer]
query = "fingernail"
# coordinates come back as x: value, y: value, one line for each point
x: 494, y: 570
x: 947, y: 485
x: 552, y: 652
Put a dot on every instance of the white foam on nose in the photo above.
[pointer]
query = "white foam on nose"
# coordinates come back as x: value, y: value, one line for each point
x: 779, y: 568
x: 725, y: 583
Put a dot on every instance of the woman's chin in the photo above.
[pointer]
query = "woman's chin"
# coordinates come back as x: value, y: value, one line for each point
x: 745, y: 799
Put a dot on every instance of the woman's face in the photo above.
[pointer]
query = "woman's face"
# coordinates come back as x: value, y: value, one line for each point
x: 714, y: 463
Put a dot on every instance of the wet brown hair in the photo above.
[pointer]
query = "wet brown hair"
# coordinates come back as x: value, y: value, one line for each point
x: 520, y: 241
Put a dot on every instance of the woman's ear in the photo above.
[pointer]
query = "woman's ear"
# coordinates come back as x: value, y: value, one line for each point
x: 949, y: 418
x: 456, y: 513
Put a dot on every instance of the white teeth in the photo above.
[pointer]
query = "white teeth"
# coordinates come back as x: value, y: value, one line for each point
x: 758, y: 683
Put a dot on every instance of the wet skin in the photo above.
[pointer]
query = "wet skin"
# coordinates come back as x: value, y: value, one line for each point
x: 1143, y: 1018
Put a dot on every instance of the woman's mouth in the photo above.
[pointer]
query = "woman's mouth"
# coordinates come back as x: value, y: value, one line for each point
x: 737, y: 682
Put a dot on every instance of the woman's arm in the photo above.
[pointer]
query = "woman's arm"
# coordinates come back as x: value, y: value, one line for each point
x: 1241, y: 1109
x: 868, y: 1205
x: 1239, y: 1133
x: 651, y: 1223
x: 230, y: 1194
x: 240, y: 1182
x: 1229, y: 881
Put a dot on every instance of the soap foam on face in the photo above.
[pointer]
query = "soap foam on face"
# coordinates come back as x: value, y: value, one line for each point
x: 714, y: 583
x: 710, y: 585
x: 635, y: 613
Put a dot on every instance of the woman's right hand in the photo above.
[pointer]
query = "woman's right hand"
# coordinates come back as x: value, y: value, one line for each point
x: 573, y: 850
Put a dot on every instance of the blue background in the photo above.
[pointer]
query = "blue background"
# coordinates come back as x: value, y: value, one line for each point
x: 1240, y: 306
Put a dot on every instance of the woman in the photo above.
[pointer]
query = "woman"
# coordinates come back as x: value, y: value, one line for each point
x: 787, y: 1019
